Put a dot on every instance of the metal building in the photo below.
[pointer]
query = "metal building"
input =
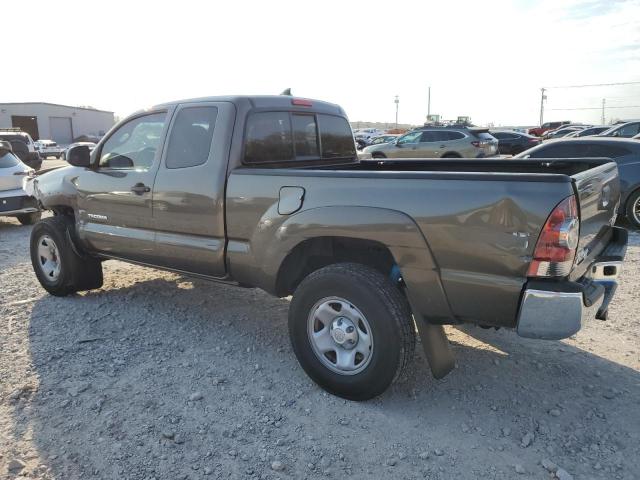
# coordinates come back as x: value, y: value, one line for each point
x: 60, y: 123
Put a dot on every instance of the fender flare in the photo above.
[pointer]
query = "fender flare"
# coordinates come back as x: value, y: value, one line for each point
x: 391, y: 228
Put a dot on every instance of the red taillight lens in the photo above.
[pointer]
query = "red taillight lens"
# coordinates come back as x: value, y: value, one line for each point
x: 476, y: 144
x: 300, y: 102
x: 534, y: 140
x: 558, y: 241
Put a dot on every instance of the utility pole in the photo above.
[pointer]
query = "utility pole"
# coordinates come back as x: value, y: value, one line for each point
x: 543, y: 97
x: 396, y: 101
x: 429, y: 103
x: 603, y: 102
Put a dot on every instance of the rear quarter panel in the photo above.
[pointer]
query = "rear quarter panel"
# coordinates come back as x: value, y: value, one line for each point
x: 480, y: 231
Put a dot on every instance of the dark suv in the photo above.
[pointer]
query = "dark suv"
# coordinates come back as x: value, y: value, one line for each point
x: 625, y: 152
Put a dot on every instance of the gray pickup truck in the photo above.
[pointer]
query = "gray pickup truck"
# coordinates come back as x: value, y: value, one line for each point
x: 267, y: 192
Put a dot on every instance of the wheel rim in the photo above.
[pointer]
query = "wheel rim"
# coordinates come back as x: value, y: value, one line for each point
x: 636, y: 211
x: 48, y: 258
x: 340, y: 336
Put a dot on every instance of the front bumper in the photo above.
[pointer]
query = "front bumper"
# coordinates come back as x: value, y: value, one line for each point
x: 553, y: 310
x: 12, y: 204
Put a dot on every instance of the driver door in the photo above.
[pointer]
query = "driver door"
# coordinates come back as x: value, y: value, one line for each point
x: 115, y: 195
x: 407, y: 145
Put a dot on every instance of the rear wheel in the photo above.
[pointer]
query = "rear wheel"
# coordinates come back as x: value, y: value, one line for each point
x: 633, y: 209
x: 29, y: 218
x: 451, y: 155
x: 351, y: 330
x: 59, y: 269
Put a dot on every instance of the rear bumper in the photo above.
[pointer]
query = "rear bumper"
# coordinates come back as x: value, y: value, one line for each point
x: 553, y: 310
x: 15, y: 202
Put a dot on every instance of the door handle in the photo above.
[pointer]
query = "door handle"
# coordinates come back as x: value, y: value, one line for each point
x: 140, y: 188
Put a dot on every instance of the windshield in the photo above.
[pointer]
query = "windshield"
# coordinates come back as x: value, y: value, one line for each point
x: 8, y: 159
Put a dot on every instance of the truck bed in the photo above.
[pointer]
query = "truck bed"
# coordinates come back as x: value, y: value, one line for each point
x: 480, y: 218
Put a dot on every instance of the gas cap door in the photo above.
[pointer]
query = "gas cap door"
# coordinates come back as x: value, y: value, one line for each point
x: 291, y: 199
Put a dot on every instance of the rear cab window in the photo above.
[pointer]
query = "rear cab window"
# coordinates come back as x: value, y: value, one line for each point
x: 287, y: 136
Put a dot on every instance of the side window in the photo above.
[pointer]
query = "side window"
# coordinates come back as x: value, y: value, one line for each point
x: 629, y: 130
x: 455, y: 135
x: 133, y: 146
x: 190, y: 138
x: 305, y: 137
x: 562, y: 151
x: 607, y: 151
x: 335, y: 137
x: 440, y: 136
x: 412, y: 137
x: 268, y: 138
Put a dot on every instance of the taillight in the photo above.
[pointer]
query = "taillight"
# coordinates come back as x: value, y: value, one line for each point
x: 480, y: 143
x: 301, y: 102
x: 558, y: 241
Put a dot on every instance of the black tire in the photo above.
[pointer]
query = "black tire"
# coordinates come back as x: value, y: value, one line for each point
x: 29, y: 218
x: 451, y: 155
x: 633, y: 202
x: 77, y: 273
x: 387, y: 313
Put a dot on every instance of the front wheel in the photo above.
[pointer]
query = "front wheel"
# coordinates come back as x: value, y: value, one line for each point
x: 351, y: 330
x: 56, y: 263
x: 633, y: 209
x: 29, y: 218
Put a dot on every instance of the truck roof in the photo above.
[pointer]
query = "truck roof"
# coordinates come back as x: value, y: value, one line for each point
x: 266, y: 102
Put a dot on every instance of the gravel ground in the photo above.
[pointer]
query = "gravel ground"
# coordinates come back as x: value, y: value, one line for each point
x: 161, y: 376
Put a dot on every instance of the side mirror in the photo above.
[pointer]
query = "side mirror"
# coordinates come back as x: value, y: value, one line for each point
x: 79, y: 156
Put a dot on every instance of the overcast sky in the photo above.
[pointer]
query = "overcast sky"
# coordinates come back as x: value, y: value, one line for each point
x: 484, y: 59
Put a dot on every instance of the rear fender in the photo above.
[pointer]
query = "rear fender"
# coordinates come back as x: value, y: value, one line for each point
x: 397, y: 231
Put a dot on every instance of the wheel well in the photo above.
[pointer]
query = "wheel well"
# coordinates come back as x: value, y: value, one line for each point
x: 378, y: 155
x: 451, y: 155
x: 313, y: 254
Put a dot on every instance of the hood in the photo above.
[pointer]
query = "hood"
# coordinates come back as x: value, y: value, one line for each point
x: 381, y: 147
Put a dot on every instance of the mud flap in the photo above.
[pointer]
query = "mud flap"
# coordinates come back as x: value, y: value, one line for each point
x: 436, y: 348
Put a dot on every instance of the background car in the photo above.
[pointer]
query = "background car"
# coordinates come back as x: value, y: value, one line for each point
x: 23, y: 146
x: 541, y: 130
x: 438, y: 142
x: 14, y: 200
x: 511, y: 142
x: 625, y: 152
x: 624, y: 130
x: 383, y: 139
x: 48, y: 148
x: 591, y: 131
x: 563, y: 131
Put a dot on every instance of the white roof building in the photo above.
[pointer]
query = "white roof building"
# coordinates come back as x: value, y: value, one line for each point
x: 61, y: 123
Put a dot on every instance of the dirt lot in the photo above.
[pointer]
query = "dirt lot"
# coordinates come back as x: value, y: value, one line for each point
x: 160, y: 376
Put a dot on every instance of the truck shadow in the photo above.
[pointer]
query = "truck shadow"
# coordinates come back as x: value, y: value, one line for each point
x: 118, y: 369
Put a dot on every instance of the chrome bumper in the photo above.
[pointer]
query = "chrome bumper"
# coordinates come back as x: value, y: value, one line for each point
x: 552, y: 311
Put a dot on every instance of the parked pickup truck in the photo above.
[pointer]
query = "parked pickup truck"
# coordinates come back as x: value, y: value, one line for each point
x: 267, y: 192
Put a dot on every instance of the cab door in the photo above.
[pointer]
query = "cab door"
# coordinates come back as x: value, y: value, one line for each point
x: 407, y: 146
x: 114, y: 195
x: 189, y: 191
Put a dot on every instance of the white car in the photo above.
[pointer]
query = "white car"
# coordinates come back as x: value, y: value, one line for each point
x: 366, y: 133
x: 14, y: 199
x: 49, y: 148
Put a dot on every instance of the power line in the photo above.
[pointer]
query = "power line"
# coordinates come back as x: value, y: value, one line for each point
x: 596, y: 85
x: 595, y: 108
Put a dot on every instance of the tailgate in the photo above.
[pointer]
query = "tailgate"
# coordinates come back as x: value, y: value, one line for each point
x: 598, y: 193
